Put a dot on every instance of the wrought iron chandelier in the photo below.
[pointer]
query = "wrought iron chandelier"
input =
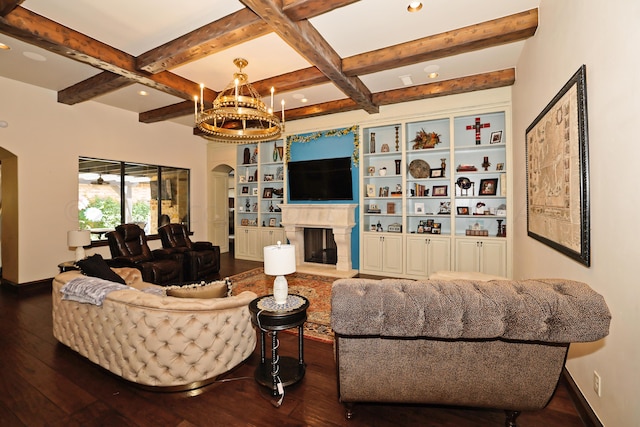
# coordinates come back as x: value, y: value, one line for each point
x: 238, y: 114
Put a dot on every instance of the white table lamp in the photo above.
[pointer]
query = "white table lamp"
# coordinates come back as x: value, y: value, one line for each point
x: 78, y: 239
x: 280, y: 260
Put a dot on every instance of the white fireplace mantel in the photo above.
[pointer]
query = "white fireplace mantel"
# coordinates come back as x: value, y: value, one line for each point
x: 338, y: 217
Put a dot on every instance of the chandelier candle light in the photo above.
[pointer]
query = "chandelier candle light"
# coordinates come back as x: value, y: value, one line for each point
x: 238, y: 114
x: 78, y: 239
x: 279, y: 260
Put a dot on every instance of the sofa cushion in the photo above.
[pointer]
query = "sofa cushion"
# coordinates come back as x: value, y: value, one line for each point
x: 96, y: 266
x: 217, y: 289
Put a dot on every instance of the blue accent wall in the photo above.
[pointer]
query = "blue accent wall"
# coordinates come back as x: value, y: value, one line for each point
x: 319, y: 145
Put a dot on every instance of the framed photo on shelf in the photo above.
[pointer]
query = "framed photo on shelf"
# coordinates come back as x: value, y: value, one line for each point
x: 255, y: 191
x: 496, y: 137
x: 272, y: 222
x: 463, y: 210
x: 439, y: 190
x: 418, y: 208
x: 267, y: 193
x: 500, y: 166
x: 436, y: 173
x: 245, y: 189
x: 371, y: 190
x: 268, y: 177
x: 424, y: 227
x: 488, y: 187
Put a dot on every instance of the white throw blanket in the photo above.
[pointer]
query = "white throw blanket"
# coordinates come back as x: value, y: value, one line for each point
x: 90, y: 290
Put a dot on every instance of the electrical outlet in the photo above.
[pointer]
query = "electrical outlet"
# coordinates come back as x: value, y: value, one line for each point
x: 597, y: 383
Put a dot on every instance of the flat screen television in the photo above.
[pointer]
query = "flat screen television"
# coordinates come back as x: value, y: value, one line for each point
x: 324, y: 179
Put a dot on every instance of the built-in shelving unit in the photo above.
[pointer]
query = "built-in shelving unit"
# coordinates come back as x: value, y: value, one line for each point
x: 259, y: 190
x: 445, y: 207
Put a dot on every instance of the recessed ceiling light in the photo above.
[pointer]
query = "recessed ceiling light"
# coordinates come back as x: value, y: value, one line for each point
x: 298, y: 96
x: 4, y: 47
x: 433, y: 75
x: 3, y: 124
x: 406, y: 80
x: 143, y: 93
x: 34, y: 56
x: 414, y: 6
x: 303, y: 100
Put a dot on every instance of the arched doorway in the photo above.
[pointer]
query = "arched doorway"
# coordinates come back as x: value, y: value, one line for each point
x: 9, y: 215
x: 218, y: 211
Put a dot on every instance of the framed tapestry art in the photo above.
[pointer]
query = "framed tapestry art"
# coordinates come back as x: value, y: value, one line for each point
x: 558, y: 172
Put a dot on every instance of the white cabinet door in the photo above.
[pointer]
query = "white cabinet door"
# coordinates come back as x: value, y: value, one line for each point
x: 417, y: 256
x: 467, y: 255
x: 372, y: 252
x: 493, y: 258
x: 438, y: 255
x: 484, y: 256
x: 427, y: 254
x: 248, y: 244
x: 392, y: 253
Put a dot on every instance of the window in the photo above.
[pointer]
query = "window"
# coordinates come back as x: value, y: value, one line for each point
x: 111, y: 193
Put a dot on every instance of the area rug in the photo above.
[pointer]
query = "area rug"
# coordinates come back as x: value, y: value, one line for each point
x: 317, y: 289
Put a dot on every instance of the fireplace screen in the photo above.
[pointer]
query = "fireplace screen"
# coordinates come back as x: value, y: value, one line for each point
x: 320, y: 246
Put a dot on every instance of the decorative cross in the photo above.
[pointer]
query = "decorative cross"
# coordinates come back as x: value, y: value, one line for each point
x: 477, y: 126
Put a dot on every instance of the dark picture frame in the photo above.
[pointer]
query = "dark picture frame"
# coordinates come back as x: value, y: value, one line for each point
x: 439, y: 190
x: 463, y: 210
x: 436, y: 173
x: 267, y: 193
x: 488, y: 187
x: 496, y: 137
x: 245, y: 189
x: 558, y: 157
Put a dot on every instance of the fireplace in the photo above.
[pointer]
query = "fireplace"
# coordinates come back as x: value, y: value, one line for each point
x: 320, y: 246
x: 339, y: 218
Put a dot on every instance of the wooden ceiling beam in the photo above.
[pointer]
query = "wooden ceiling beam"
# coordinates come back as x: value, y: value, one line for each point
x: 7, y: 6
x: 42, y: 32
x: 467, y: 84
x: 474, y: 37
x: 95, y: 86
x: 172, y: 111
x: 240, y: 26
x: 298, y: 10
x: 306, y: 40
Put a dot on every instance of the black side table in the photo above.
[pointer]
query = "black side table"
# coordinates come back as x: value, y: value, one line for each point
x: 270, y: 317
x: 67, y: 266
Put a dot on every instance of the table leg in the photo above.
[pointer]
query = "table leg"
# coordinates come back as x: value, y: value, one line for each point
x: 262, y: 348
x: 300, y: 346
x: 275, y: 368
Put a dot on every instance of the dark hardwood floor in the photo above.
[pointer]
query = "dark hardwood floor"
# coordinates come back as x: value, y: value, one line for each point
x: 43, y: 383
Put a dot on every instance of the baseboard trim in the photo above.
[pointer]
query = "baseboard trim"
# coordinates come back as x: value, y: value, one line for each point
x: 587, y: 415
x: 27, y: 288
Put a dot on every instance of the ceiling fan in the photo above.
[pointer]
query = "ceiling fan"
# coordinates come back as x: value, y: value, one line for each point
x: 98, y: 181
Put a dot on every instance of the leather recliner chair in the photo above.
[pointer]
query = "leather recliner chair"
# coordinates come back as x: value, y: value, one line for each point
x: 129, y: 248
x: 201, y: 259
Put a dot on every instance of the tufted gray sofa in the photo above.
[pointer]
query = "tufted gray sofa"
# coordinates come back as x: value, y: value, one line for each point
x: 495, y: 344
x: 161, y: 342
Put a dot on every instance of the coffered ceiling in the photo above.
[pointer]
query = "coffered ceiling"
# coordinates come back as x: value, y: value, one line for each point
x: 322, y: 56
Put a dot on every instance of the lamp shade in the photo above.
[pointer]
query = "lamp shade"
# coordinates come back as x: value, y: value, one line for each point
x: 77, y: 238
x: 279, y: 259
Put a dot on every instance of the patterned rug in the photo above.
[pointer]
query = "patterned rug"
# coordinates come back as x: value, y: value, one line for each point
x: 317, y: 289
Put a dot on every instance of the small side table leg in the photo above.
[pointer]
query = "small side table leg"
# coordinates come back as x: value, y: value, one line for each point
x: 262, y: 348
x: 301, y: 367
x: 275, y: 367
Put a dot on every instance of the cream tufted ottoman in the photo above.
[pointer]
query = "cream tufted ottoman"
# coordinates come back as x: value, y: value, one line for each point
x: 162, y: 342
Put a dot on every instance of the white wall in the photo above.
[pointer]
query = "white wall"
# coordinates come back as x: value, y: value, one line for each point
x: 604, y: 36
x: 47, y: 137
